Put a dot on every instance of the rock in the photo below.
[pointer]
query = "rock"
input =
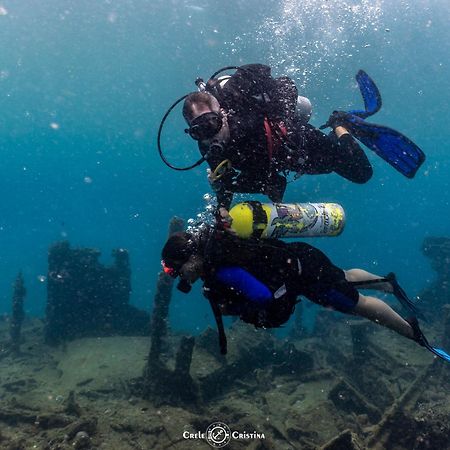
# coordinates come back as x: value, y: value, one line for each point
x: 82, y: 440
x: 88, y: 426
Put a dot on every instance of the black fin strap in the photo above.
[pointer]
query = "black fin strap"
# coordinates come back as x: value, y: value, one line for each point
x: 220, y: 328
x: 398, y: 292
x: 259, y: 217
x: 368, y: 282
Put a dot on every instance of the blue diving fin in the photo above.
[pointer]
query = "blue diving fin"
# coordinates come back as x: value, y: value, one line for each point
x: 439, y: 352
x: 420, y: 338
x: 395, y: 148
x: 370, y: 94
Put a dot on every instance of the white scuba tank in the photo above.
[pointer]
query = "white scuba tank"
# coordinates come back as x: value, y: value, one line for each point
x: 287, y: 220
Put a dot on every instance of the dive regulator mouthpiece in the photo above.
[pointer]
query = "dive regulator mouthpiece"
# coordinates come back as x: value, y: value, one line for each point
x: 216, y: 146
x: 184, y: 286
x: 201, y: 85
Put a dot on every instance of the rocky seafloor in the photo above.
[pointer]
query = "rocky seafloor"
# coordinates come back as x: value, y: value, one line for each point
x: 352, y: 385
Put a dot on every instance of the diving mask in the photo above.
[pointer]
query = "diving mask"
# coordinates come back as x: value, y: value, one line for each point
x: 168, y: 269
x: 205, y: 126
x: 183, y: 285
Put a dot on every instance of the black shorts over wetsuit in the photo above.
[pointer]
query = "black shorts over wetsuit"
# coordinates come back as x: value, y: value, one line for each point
x: 321, y: 281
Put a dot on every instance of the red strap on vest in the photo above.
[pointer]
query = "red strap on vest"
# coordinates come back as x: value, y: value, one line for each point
x: 274, y: 133
x: 269, y: 137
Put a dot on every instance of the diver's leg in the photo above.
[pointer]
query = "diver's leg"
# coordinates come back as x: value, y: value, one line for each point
x: 377, y: 311
x: 360, y: 275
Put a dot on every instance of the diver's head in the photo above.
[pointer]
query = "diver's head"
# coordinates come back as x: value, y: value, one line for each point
x: 197, y: 103
x: 177, y: 251
x: 180, y: 258
x: 203, y: 114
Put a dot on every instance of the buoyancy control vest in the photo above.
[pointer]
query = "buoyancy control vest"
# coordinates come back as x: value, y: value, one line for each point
x: 270, y: 262
x: 253, y: 89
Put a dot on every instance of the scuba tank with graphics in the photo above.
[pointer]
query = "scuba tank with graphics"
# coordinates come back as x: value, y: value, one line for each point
x: 287, y: 220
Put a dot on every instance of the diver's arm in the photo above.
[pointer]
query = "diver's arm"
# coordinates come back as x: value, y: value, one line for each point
x: 350, y: 161
x: 224, y: 199
x: 338, y: 153
x: 221, y: 186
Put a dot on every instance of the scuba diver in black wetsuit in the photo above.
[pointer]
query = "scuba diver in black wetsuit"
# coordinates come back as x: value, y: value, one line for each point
x: 259, y: 280
x: 253, y: 130
x: 250, y: 134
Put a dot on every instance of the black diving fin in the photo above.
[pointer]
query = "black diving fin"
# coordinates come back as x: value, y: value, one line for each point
x: 397, y: 291
x: 401, y: 295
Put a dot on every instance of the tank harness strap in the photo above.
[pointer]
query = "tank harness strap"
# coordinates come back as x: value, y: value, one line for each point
x: 259, y: 218
x: 275, y: 133
x: 269, y: 137
x: 220, y: 327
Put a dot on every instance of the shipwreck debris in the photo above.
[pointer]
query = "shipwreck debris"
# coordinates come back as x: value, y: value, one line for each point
x: 86, y: 298
x: 18, y: 313
x: 161, y: 384
x: 437, y: 294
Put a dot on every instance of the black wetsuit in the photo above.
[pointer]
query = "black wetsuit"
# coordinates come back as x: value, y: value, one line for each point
x: 287, y: 269
x: 304, y: 149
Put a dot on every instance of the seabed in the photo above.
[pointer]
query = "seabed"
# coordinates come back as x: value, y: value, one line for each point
x: 350, y: 386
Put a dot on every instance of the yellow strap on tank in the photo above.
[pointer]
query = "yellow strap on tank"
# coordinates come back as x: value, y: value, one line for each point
x: 220, y: 170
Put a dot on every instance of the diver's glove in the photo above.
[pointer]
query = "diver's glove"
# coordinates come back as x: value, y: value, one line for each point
x: 337, y: 119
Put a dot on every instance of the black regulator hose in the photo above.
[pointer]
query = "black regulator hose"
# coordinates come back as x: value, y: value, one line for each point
x: 161, y: 125
x: 223, y: 69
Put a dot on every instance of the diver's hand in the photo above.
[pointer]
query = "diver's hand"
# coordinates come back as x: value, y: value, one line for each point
x: 211, y: 180
x: 337, y: 119
x: 224, y: 220
x: 225, y: 215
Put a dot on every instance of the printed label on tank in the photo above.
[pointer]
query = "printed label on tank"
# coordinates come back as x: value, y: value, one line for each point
x: 293, y: 220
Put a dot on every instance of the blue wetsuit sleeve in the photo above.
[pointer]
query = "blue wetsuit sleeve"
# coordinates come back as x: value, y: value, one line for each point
x: 244, y: 282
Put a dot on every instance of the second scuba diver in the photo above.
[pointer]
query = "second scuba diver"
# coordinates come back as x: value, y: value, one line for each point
x: 259, y: 281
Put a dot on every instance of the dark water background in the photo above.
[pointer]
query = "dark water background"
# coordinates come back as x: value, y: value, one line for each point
x: 84, y: 84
